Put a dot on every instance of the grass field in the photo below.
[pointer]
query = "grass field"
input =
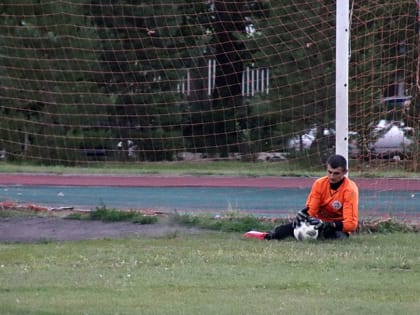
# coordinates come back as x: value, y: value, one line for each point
x: 377, y: 168
x: 213, y: 273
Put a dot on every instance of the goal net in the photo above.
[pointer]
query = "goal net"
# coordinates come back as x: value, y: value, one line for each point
x: 86, y: 81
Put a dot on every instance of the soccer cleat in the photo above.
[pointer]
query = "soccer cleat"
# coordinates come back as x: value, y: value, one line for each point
x: 256, y: 234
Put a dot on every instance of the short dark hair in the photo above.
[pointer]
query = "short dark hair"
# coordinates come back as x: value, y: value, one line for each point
x: 336, y: 161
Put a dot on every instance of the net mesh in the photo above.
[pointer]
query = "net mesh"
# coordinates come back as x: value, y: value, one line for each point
x: 86, y: 81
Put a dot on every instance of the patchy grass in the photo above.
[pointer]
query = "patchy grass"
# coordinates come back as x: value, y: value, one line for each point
x: 292, y: 167
x: 212, y: 273
x: 10, y: 213
x: 236, y: 222
x: 228, y: 223
x: 390, y: 225
x: 114, y: 215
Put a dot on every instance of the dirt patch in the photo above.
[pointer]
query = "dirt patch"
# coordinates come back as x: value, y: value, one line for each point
x: 39, y: 229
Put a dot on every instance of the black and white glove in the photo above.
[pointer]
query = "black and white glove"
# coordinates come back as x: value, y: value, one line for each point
x: 302, y: 215
x: 315, y: 222
x: 325, y: 227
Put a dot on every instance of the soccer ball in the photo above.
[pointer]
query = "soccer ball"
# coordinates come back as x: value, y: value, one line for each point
x: 305, y: 231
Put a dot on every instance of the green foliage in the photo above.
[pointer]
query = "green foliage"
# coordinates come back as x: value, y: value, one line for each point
x: 305, y: 68
x: 75, y: 216
x: 373, y: 77
x: 53, y: 96
x: 10, y: 213
x: 392, y: 226
x: 78, y: 76
x: 229, y: 223
x: 113, y: 215
x: 144, y: 219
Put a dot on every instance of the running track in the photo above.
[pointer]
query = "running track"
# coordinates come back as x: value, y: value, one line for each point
x: 276, y: 195
x: 382, y: 184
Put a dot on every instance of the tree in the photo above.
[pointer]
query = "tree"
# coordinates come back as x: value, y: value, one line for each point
x: 48, y: 94
x: 223, y: 124
x: 139, y: 67
x: 384, y: 54
x: 297, y: 44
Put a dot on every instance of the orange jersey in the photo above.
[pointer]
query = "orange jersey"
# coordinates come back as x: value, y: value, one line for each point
x: 335, y: 205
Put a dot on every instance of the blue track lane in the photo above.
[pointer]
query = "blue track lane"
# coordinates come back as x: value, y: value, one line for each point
x: 269, y: 202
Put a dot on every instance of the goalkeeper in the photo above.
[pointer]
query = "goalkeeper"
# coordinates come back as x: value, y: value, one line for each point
x: 332, y: 206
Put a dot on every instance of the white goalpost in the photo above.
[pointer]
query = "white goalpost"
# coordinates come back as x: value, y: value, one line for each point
x: 342, y: 77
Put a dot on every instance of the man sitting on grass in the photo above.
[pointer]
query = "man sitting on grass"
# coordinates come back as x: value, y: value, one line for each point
x: 331, y: 206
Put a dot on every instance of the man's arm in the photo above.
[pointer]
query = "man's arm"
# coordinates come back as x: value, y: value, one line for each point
x: 350, y: 210
x: 313, y: 202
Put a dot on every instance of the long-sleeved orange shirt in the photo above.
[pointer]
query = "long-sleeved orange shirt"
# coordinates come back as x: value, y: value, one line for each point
x: 335, y: 205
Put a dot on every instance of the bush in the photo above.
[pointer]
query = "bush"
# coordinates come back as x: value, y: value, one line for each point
x: 227, y: 223
x: 113, y: 215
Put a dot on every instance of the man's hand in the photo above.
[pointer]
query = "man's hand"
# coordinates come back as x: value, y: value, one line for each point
x: 315, y: 222
x: 302, y: 215
x: 325, y: 226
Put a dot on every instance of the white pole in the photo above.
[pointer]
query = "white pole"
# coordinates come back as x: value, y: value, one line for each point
x: 262, y: 80
x: 257, y: 85
x: 209, y: 80
x: 243, y: 83
x: 213, y: 85
x: 247, y: 81
x: 342, y: 77
x: 252, y: 82
x: 188, y: 82
x: 268, y: 80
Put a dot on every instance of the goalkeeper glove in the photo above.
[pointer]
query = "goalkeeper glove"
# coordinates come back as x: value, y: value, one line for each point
x: 315, y: 222
x: 325, y: 226
x: 302, y: 215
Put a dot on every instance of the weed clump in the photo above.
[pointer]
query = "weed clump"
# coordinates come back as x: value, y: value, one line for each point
x: 113, y: 215
x: 227, y: 223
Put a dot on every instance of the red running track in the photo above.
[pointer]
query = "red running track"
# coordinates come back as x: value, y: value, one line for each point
x: 382, y: 184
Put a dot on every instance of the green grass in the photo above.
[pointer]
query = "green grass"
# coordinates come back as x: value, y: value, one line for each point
x: 213, y: 273
x: 170, y: 168
x: 227, y: 222
x: 227, y: 168
x: 113, y: 215
x: 9, y: 213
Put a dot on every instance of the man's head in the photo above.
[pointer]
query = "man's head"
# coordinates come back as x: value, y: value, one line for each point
x: 336, y: 168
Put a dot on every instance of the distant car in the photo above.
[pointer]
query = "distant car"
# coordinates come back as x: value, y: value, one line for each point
x: 306, y: 140
x: 303, y: 142
x: 388, y: 140
x: 391, y: 139
x: 271, y: 156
